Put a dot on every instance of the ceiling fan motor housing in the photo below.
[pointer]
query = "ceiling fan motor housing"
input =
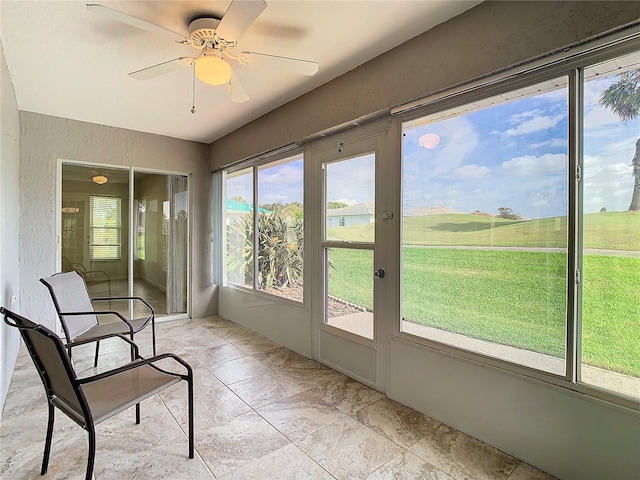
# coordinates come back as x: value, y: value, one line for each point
x: 202, y: 32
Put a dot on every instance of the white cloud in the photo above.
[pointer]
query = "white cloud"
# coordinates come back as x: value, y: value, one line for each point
x: 535, y: 123
x: 281, y: 175
x: 532, y: 165
x: 598, y: 116
x: 458, y: 139
x: 553, y: 143
x: 472, y: 171
x: 607, y: 183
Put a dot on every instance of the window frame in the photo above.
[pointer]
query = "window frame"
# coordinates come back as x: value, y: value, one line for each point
x: 573, y: 65
x: 288, y: 156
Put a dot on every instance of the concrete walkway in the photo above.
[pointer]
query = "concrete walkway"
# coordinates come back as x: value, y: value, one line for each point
x: 362, y: 324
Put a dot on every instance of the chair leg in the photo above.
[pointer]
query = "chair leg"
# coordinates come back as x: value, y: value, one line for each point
x: 47, y: 442
x: 153, y: 335
x: 91, y: 455
x: 137, y: 413
x: 95, y: 362
x: 191, y: 440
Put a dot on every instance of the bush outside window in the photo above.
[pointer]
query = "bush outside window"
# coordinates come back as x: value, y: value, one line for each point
x: 265, y: 247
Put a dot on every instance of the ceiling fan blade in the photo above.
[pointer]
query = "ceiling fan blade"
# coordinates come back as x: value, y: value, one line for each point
x: 236, y: 91
x: 293, y: 65
x: 133, y: 21
x: 238, y: 17
x: 161, y: 68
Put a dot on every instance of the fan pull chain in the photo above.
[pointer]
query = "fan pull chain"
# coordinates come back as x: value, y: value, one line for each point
x: 193, y: 97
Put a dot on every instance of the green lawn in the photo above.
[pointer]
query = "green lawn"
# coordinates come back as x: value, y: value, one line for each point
x: 616, y: 230
x: 511, y: 297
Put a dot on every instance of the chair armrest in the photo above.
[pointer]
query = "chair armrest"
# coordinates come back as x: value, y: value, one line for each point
x: 99, y: 312
x: 103, y: 299
x: 138, y: 363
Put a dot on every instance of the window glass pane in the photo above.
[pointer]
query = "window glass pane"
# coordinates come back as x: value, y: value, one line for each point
x: 281, y: 228
x: 350, y: 196
x: 105, y: 228
x: 140, y: 229
x: 350, y: 290
x: 484, y: 236
x: 239, y: 224
x: 610, y: 343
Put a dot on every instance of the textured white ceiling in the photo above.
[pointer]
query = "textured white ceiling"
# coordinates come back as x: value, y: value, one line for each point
x: 68, y: 62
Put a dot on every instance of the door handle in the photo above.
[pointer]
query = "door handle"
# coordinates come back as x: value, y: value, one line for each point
x: 379, y: 273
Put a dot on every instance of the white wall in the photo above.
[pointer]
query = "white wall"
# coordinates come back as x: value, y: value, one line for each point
x: 44, y: 140
x: 9, y: 223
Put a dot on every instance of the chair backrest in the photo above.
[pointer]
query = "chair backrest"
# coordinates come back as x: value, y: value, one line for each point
x: 52, y: 362
x: 69, y: 294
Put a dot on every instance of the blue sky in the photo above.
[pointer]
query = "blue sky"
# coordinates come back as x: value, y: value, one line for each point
x: 513, y: 154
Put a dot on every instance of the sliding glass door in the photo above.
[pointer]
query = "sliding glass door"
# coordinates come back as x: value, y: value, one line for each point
x: 126, y: 233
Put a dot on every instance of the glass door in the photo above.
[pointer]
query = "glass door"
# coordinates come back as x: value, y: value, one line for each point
x: 348, y: 244
x: 344, y: 311
x: 127, y: 241
x: 161, y: 241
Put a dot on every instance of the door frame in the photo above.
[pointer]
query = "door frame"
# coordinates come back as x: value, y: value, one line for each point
x: 131, y: 241
x: 358, y: 357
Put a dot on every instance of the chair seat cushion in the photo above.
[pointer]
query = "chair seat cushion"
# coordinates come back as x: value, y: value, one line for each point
x: 111, y: 395
x: 110, y: 328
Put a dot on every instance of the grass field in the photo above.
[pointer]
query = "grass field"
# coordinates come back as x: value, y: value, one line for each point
x: 509, y: 297
x: 608, y: 230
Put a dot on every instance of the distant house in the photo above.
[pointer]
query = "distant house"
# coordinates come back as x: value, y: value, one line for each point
x: 358, y: 214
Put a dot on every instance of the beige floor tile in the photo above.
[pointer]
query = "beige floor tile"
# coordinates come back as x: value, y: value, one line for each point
x: 212, y: 410
x: 240, y: 369
x: 169, y: 461
x: 367, y: 449
x: 464, y: 457
x: 311, y: 374
x: 238, y: 442
x: 266, y: 389
x: 256, y: 345
x: 401, y: 424
x: 211, y: 356
x: 261, y: 412
x: 280, y: 358
x: 286, y: 463
x: 194, y: 337
x: 527, y: 472
x: 300, y: 415
x: 347, y: 394
x: 407, y: 466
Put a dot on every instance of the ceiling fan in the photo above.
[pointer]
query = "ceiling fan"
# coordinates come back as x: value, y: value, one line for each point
x: 216, y: 40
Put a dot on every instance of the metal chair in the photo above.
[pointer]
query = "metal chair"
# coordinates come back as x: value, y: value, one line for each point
x: 90, y: 400
x: 79, y: 318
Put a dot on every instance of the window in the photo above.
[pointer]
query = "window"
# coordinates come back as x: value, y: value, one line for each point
x: 610, y: 332
x: 484, y: 260
x: 140, y: 229
x: 274, y: 234
x: 488, y: 258
x: 105, y: 228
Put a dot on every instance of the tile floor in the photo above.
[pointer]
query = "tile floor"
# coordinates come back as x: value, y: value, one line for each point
x: 261, y: 412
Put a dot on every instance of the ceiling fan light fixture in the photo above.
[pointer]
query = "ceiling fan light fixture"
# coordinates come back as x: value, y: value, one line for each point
x: 212, y: 69
x: 99, y: 179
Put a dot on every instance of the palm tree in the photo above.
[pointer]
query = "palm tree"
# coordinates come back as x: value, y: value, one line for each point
x: 623, y: 98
